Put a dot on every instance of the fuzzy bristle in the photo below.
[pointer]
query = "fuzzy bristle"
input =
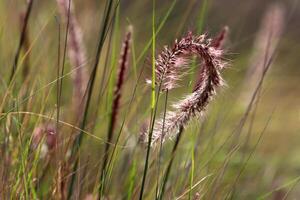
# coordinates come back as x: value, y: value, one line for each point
x: 168, y: 66
x: 123, y: 63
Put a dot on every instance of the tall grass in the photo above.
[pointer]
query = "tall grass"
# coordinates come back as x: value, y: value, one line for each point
x: 106, y: 112
x: 105, y: 25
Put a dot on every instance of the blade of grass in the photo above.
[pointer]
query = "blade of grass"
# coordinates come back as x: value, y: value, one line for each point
x: 160, y: 26
x: 134, y: 65
x: 115, y: 106
x: 170, y: 164
x: 203, y: 14
x: 22, y: 39
x: 132, y: 176
x: 65, y: 49
x: 104, y: 27
x: 194, y: 186
x: 160, y: 145
x: 22, y: 59
x: 112, y: 160
x: 114, y: 55
x: 153, y: 103
x: 192, y: 172
x: 101, y: 93
x: 264, y: 196
x: 250, y: 156
x: 200, y: 26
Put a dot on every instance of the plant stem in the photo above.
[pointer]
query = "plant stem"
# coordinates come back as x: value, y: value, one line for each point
x: 153, y: 102
x: 21, y: 41
x: 167, y: 174
x: 78, y: 140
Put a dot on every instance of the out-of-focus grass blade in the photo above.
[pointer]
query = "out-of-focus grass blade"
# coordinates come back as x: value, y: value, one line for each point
x: 153, y: 104
x: 115, y: 42
x: 201, y: 22
x: 162, y: 23
x: 132, y: 176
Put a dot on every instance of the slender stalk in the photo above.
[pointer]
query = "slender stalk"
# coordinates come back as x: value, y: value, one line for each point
x: 200, y: 26
x: 26, y: 49
x: 160, y: 26
x: 115, y: 106
x: 60, y: 182
x: 161, y: 143
x: 153, y: 116
x: 122, y: 126
x: 78, y: 140
x: 65, y: 48
x: 153, y: 102
x: 168, y: 170
x: 60, y: 81
x: 22, y: 40
x: 58, y: 89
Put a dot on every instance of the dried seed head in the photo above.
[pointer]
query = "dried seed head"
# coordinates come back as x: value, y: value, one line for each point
x: 123, y: 64
x: 194, y: 104
x: 171, y: 63
x: 218, y: 42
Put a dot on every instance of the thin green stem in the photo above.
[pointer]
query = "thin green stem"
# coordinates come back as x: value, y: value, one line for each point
x: 161, y: 142
x: 153, y: 103
x: 168, y: 170
x: 160, y: 26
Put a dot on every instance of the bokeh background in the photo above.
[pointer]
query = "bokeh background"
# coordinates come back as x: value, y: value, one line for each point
x: 269, y: 141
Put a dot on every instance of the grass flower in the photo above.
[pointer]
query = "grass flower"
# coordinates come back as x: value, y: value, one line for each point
x: 169, y: 65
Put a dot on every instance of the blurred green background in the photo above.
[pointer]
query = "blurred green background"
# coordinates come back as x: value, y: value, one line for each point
x: 274, y: 164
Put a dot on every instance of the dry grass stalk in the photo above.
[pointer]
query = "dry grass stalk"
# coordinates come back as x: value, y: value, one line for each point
x: 76, y: 52
x: 22, y: 38
x: 268, y: 36
x: 266, y: 41
x: 25, y: 47
x: 168, y: 66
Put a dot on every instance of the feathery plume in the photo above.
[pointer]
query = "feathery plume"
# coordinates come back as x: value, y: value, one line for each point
x: 76, y: 52
x: 218, y: 42
x: 171, y: 62
x: 123, y: 63
x: 195, y: 103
